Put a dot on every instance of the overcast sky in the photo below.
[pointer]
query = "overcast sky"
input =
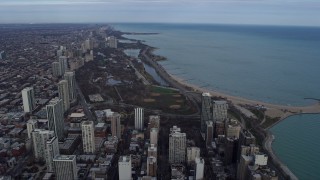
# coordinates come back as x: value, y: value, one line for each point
x: 276, y: 12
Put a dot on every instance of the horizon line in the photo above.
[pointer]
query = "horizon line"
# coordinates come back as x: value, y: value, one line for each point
x: 185, y: 23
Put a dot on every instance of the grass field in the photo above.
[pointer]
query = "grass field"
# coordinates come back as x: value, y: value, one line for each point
x: 167, y: 100
x: 163, y: 90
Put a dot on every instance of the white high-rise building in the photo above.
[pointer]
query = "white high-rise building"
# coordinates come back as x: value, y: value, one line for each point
x: 199, y: 167
x: 65, y: 167
x: 192, y: 154
x: 28, y: 99
x: 219, y: 110
x: 64, y: 94
x: 154, y: 132
x: 63, y: 63
x: 52, y: 150
x: 32, y: 124
x: 56, y: 71
x: 206, y: 114
x: 87, y: 128
x: 112, y: 42
x: 115, y: 120
x: 125, y: 166
x: 71, y: 78
x: 55, y: 117
x: 138, y: 118
x: 177, y: 145
x: 39, y: 140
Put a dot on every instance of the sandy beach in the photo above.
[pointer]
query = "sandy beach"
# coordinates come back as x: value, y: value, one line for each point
x: 273, y: 110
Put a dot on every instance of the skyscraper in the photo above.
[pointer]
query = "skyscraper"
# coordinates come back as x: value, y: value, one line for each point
x: 242, y: 170
x: 154, y: 132
x: 245, y: 139
x: 28, y: 99
x: 177, y: 145
x: 192, y: 154
x: 63, y: 64
x: 206, y: 114
x: 219, y: 110
x: 209, y: 133
x: 199, y: 167
x: 87, y: 128
x: 230, y: 150
x: 152, y: 166
x: 64, y: 94
x: 125, y: 166
x: 233, y: 128
x: 114, y: 118
x: 154, y: 121
x: 138, y: 118
x: 56, y: 71
x: 112, y: 42
x: 71, y: 79
x: 39, y: 140
x: 32, y: 124
x: 152, y: 151
x: 55, y: 117
x: 88, y: 44
x: 52, y: 150
x: 65, y: 167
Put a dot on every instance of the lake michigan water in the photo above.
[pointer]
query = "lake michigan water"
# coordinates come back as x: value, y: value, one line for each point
x: 275, y: 64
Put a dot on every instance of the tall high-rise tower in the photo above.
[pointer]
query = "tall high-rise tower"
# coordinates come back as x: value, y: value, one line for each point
x: 56, y: 71
x: 52, y: 150
x: 125, y: 166
x: 219, y: 110
x: 138, y: 118
x: 206, y: 114
x: 114, y: 118
x: 199, y: 167
x: 152, y: 166
x: 32, y: 124
x: 154, y: 132
x: 63, y: 63
x: 192, y: 154
x: 63, y: 90
x: 112, y: 42
x: 177, y: 145
x: 154, y: 121
x: 87, y: 128
x: 70, y: 77
x: 55, y: 117
x: 39, y: 140
x: 209, y: 133
x: 65, y: 167
x: 28, y: 99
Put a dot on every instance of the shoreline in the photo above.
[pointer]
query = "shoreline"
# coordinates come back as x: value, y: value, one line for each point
x: 272, y: 110
x: 269, y: 138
